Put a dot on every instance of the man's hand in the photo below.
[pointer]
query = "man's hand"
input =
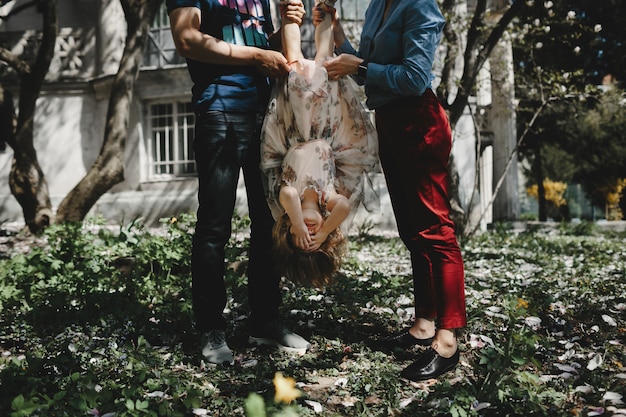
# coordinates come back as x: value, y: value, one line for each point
x: 271, y: 63
x: 293, y: 11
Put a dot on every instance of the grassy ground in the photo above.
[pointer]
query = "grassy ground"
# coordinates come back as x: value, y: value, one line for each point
x: 98, y: 322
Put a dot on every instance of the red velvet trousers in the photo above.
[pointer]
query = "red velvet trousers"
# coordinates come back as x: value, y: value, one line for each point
x: 415, y: 143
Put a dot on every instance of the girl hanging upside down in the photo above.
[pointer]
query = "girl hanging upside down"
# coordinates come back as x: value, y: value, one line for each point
x: 318, y: 147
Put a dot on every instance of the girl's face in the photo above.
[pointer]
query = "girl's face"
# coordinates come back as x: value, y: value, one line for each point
x: 313, y: 220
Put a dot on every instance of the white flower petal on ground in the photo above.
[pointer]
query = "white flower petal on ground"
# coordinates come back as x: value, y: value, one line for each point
x: 609, y: 320
x: 613, y: 397
x: 565, y: 368
x: 585, y: 389
x: 617, y: 412
x: 594, y: 362
x: 317, y: 407
x: 341, y: 382
x: 480, y: 406
x: 404, y: 300
x: 533, y: 322
x: 487, y: 340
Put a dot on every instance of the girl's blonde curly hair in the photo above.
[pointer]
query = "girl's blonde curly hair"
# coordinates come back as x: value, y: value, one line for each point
x: 310, y: 269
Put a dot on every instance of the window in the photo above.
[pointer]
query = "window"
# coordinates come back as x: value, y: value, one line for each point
x: 170, y: 140
x: 160, y: 48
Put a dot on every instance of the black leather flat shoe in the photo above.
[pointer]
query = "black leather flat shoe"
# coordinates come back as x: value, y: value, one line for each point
x: 430, y: 365
x: 404, y: 340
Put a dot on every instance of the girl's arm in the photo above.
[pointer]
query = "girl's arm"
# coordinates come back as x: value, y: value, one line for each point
x: 320, y: 13
x: 291, y: 36
x: 339, y: 207
x: 290, y: 200
x: 348, y: 61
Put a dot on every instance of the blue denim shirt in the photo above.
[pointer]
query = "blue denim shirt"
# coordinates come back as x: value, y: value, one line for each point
x: 399, y: 51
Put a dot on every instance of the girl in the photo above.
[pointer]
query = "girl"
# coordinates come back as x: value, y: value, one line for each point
x: 318, y: 146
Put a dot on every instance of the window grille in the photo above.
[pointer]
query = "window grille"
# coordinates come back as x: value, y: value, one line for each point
x: 160, y: 49
x: 170, y: 146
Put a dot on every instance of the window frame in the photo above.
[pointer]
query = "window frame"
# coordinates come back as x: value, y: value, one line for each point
x: 170, y: 157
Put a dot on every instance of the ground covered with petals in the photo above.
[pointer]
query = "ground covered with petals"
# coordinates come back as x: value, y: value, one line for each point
x: 97, y: 321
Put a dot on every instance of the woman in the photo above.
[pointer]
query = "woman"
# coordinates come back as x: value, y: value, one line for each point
x: 317, y: 148
x: 394, y: 62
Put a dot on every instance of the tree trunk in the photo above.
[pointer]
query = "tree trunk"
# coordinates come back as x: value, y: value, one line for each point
x: 26, y: 179
x: 541, y: 191
x: 108, y: 169
x: 481, y: 39
x: 7, y: 119
x: 506, y: 205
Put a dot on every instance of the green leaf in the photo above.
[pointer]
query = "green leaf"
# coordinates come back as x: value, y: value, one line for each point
x: 17, y: 403
x: 130, y: 404
x: 255, y: 406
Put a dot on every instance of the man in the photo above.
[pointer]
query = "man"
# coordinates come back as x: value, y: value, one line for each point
x: 226, y: 44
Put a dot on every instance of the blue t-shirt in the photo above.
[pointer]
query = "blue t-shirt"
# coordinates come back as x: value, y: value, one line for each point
x: 227, y: 87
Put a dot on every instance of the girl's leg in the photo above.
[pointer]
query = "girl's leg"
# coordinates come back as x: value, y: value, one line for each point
x: 324, y: 41
x: 291, y: 38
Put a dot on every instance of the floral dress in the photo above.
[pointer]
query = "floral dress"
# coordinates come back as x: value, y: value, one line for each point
x: 318, y: 135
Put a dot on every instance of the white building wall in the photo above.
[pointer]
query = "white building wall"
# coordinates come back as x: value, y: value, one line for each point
x: 69, y: 129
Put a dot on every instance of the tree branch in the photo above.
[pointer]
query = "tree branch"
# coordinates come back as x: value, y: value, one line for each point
x: 14, y: 61
x: 509, y: 162
x: 498, y: 30
x: 17, y: 9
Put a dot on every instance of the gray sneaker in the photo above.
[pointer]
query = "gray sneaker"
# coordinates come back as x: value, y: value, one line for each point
x: 215, y: 349
x: 274, y: 333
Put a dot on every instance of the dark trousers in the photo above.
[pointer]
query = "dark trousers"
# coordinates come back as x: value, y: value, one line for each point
x: 414, y: 144
x: 224, y: 144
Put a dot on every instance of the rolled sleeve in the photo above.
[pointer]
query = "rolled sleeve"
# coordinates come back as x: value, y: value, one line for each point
x: 401, y: 53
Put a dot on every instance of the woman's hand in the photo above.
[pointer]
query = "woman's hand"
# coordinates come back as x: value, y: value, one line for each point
x: 319, y: 13
x: 344, y: 64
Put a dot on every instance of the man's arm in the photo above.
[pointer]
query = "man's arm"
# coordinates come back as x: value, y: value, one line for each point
x: 193, y: 44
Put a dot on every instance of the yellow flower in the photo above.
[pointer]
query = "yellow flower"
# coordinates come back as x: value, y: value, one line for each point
x: 286, y: 390
x: 522, y: 303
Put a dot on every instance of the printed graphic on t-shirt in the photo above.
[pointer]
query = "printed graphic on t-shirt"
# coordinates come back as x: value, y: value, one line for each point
x: 247, y: 23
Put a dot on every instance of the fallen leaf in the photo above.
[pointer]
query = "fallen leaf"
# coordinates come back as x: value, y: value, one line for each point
x: 317, y: 407
x: 609, y: 320
x: 285, y: 387
x: 480, y: 406
x: 613, y: 397
x: 594, y: 362
x: 585, y: 389
x: 565, y: 368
